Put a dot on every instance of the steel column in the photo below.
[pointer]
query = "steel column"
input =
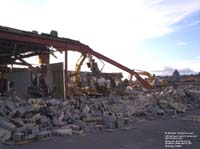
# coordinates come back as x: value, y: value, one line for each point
x: 66, y: 74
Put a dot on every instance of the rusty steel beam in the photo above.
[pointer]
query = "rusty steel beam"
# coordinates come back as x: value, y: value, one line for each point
x: 59, y: 43
x: 64, y: 44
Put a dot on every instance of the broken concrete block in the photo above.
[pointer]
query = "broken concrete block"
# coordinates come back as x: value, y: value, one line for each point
x: 44, y: 135
x: 61, y: 117
x: 36, y: 117
x: 109, y: 121
x: 30, y: 137
x: 18, y: 136
x: 78, y: 132
x: 5, y: 135
x: 44, y: 119
x: 74, y: 127
x: 80, y: 124
x: 160, y: 112
x: 99, y: 126
x: 18, y: 122
x: 63, y: 132
x: 89, y: 127
x: 35, y: 129
x: 85, y: 109
x: 10, y: 106
x: 29, y: 108
x: 57, y: 122
x: 120, y: 122
x: 178, y: 106
x: 7, y: 125
x: 21, y: 111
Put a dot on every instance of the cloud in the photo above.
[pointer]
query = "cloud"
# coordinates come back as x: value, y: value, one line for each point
x: 192, y: 64
x: 95, y: 21
x: 181, y: 43
x: 187, y: 71
x: 168, y: 71
x: 110, y: 27
x: 183, y: 66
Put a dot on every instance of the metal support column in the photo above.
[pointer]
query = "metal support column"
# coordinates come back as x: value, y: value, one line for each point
x: 66, y: 75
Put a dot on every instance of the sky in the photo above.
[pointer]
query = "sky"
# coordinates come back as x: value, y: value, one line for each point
x: 151, y: 35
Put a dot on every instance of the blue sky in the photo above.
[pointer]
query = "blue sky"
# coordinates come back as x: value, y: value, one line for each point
x: 153, y: 35
x: 181, y: 45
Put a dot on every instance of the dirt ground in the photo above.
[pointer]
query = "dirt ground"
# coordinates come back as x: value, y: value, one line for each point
x: 147, y: 134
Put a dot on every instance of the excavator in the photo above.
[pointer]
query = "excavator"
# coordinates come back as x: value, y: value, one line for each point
x: 104, y: 89
x: 94, y: 89
x: 154, y: 82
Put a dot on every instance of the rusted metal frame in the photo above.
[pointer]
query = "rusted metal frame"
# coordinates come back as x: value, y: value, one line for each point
x: 56, y: 42
x: 75, y: 46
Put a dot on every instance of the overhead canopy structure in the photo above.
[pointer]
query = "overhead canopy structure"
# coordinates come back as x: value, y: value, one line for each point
x: 17, y: 44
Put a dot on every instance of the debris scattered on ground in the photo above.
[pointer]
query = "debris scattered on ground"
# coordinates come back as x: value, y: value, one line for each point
x: 25, y: 120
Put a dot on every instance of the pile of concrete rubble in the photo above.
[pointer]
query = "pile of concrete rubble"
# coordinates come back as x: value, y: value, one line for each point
x: 25, y: 120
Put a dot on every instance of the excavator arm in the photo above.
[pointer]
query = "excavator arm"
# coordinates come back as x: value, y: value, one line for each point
x: 78, y: 69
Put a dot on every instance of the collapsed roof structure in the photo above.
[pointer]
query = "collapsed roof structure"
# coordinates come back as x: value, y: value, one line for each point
x: 15, y: 45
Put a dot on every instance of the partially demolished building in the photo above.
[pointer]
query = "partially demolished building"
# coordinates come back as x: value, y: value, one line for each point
x: 39, y: 102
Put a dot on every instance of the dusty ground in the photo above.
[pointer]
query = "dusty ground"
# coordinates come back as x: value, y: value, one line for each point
x: 146, y: 134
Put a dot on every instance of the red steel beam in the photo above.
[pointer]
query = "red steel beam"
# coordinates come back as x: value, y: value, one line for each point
x: 62, y: 43
x: 41, y: 40
x: 66, y: 74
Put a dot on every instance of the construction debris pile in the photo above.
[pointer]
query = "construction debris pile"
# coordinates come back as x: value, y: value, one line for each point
x: 25, y: 120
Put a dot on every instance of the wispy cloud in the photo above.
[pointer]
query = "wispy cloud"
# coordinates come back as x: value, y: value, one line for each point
x: 108, y: 26
x: 91, y: 20
x: 183, y: 66
x: 168, y: 71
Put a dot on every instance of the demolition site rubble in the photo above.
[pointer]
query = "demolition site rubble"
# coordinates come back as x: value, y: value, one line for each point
x: 25, y: 120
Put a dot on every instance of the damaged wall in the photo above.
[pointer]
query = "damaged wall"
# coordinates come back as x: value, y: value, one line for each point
x: 22, y: 80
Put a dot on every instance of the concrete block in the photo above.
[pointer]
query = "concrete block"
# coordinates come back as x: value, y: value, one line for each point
x: 5, y: 135
x: 109, y: 121
x: 21, y: 111
x: 18, y: 122
x: 30, y: 137
x: 126, y: 122
x: 29, y: 108
x: 89, y: 127
x: 74, y: 127
x: 7, y: 125
x: 63, y: 132
x: 99, y: 125
x: 43, y: 126
x: 10, y: 106
x: 44, y: 135
x: 120, y: 122
x: 35, y: 130
x: 80, y: 123
x: 18, y: 136
x: 78, y: 132
x: 36, y: 117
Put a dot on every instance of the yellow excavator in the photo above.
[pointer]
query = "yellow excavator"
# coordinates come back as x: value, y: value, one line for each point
x: 151, y: 79
x: 78, y: 69
x: 95, y: 71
